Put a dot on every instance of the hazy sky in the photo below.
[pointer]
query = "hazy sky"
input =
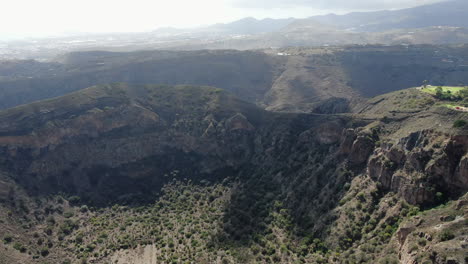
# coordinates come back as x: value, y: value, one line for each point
x: 48, y: 17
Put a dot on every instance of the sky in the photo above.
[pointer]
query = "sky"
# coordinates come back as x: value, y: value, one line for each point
x: 41, y: 18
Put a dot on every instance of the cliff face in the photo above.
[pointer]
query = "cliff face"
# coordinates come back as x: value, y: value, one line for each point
x: 422, y: 164
x: 118, y: 140
x: 112, y: 141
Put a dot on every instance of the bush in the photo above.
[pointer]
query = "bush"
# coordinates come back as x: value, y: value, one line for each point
x: 84, y: 209
x: 422, y: 242
x: 361, y: 196
x: 459, y: 123
x: 73, y: 200
x: 68, y: 214
x: 68, y: 226
x: 51, y: 220
x: 446, y: 235
x: 18, y: 246
x: 44, y: 252
x: 48, y: 231
x: 7, y: 239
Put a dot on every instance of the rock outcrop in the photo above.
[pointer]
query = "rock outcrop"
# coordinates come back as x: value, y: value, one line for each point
x: 422, y: 165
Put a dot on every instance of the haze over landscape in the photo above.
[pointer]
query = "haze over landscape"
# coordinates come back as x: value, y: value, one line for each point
x: 26, y: 18
x: 234, y: 131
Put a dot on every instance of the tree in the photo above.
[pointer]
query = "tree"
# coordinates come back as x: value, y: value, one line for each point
x: 439, y: 92
x: 463, y: 93
x: 425, y: 82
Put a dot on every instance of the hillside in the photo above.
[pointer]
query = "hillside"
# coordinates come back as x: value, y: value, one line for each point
x: 160, y: 174
x: 305, y: 80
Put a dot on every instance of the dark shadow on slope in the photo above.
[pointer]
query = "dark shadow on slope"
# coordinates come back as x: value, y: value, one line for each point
x: 378, y: 70
x: 302, y: 178
x: 249, y: 75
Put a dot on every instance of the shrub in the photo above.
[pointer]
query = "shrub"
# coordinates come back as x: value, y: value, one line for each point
x: 48, y: 231
x: 389, y: 260
x: 422, y: 242
x: 50, y: 219
x: 68, y: 226
x: 44, y: 251
x: 84, y: 209
x: 74, y: 200
x: 459, y: 123
x: 361, y: 196
x: 18, y: 246
x: 7, y: 239
x: 68, y: 214
x: 446, y: 235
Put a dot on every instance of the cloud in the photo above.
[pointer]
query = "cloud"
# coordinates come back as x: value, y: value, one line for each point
x: 332, y: 4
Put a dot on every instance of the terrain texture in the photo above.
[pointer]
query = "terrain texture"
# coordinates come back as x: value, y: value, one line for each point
x: 123, y: 173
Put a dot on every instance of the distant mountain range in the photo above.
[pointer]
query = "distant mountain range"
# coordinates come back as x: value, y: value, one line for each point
x: 450, y: 13
x: 447, y: 14
x: 436, y: 24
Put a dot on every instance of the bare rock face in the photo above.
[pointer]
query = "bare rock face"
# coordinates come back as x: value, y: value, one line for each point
x: 347, y: 140
x: 461, y: 173
x: 329, y: 133
x: 421, y: 165
x: 396, y: 155
x: 362, y: 148
x: 403, y: 233
x: 378, y: 168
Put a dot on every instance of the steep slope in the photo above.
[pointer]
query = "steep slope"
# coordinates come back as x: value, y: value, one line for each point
x: 246, y: 74
x: 208, y: 178
x: 70, y: 143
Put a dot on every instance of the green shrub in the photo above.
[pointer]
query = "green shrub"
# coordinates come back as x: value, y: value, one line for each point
x: 7, y: 239
x: 73, y: 200
x: 48, y: 231
x: 361, y: 196
x: 84, y: 209
x: 50, y: 219
x: 422, y: 242
x: 18, y: 246
x: 459, y: 123
x: 68, y: 214
x: 44, y: 251
x: 68, y: 226
x: 446, y: 235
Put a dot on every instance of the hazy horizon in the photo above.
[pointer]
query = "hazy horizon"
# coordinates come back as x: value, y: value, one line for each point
x: 33, y: 19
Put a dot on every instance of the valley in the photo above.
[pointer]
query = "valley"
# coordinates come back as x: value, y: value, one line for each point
x: 182, y: 174
x: 316, y: 139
